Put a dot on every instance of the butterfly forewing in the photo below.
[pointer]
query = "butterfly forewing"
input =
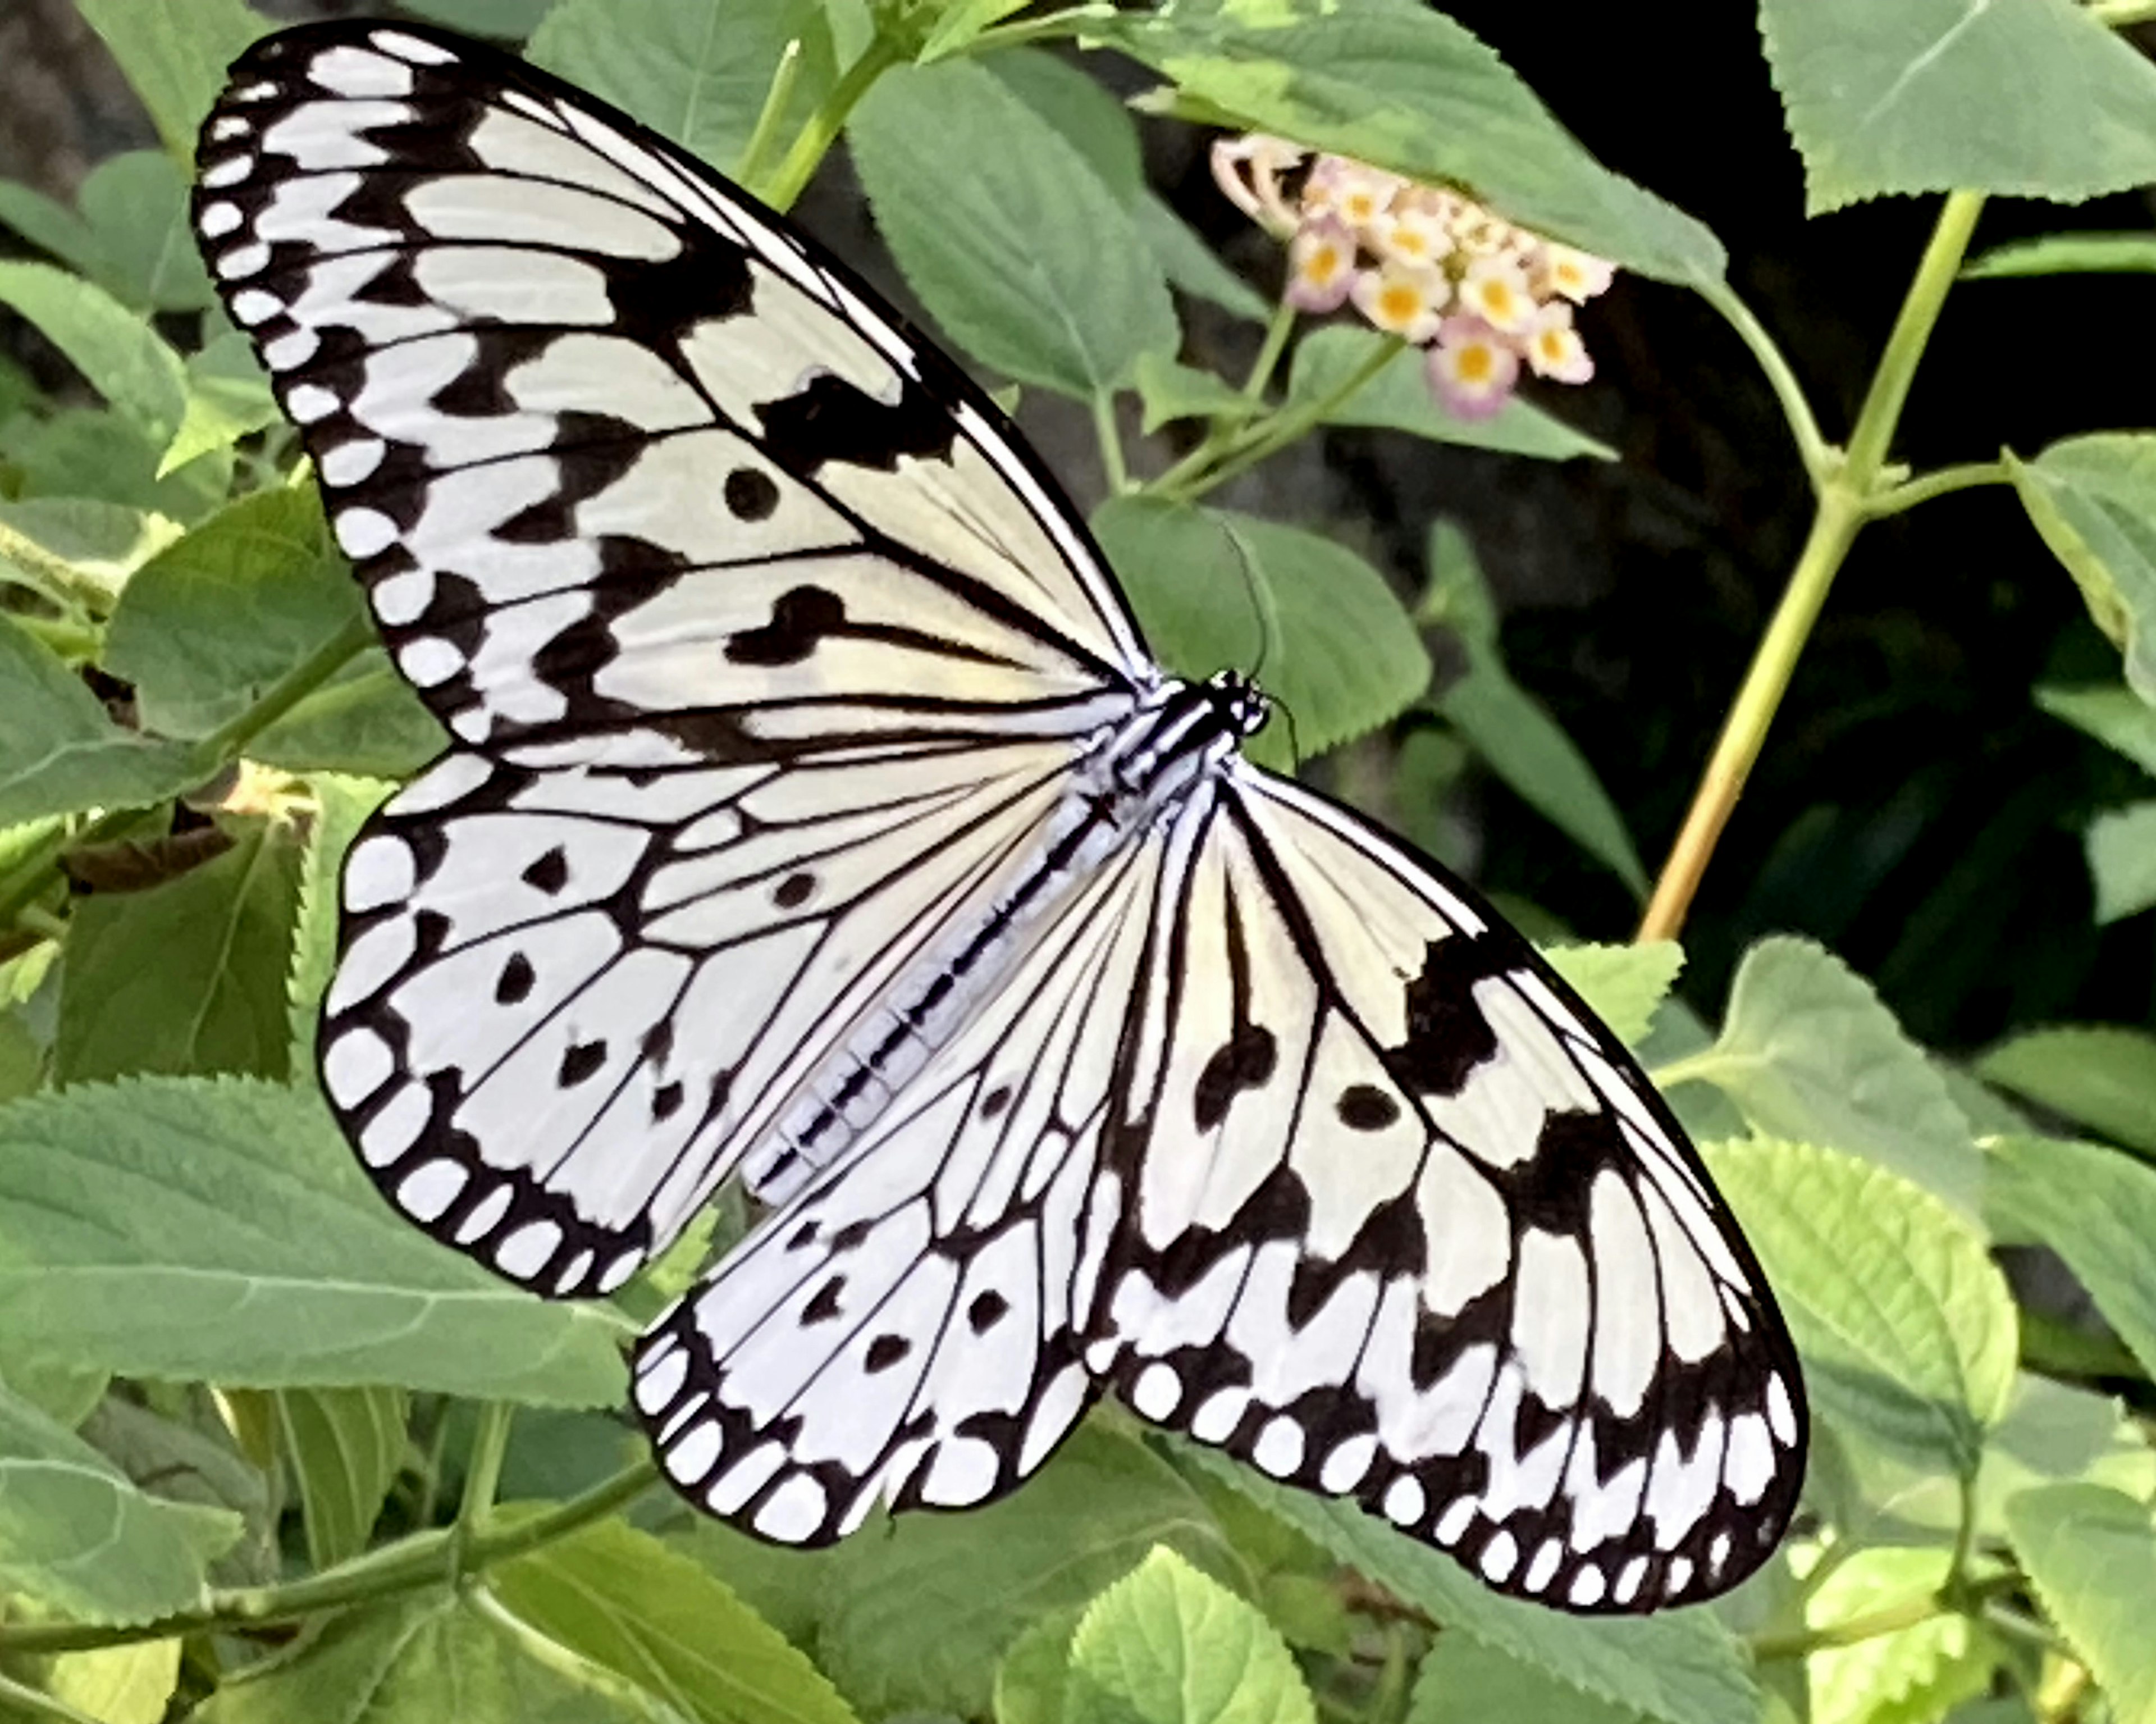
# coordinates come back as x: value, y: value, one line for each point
x: 780, y: 682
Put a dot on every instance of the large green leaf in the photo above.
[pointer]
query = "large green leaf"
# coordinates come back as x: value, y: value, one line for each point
x: 2094, y: 500
x: 2096, y: 1208
x: 1337, y: 650
x: 1907, y: 1332
x: 60, y: 754
x: 1680, y: 1666
x: 1010, y: 238
x: 77, y: 1537
x: 1393, y: 83
x: 1808, y: 1052
x: 696, y: 71
x: 188, y: 976
x: 219, y: 1230
x: 2091, y: 1555
x: 2103, y: 1076
x: 624, y: 1600
x: 1464, y: 1680
x: 1168, y: 1645
x: 1937, y: 95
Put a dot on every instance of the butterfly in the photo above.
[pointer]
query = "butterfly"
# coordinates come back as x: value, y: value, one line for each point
x: 815, y: 817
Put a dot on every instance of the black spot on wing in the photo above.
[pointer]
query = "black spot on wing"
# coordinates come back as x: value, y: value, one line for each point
x: 516, y: 980
x: 750, y: 494
x: 1364, y: 1107
x: 800, y: 618
x: 550, y: 873
x: 1447, y: 1034
x: 986, y: 1311
x: 1550, y: 1189
x: 580, y: 1062
x: 885, y: 1350
x: 1245, y: 1061
x: 833, y: 420
x: 826, y: 1305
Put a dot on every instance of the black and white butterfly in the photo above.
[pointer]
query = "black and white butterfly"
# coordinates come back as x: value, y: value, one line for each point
x: 816, y: 817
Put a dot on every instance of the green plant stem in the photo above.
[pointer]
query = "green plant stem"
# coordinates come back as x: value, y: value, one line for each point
x: 1270, y: 435
x: 2118, y: 14
x: 775, y: 99
x: 52, y: 578
x: 821, y: 129
x: 1811, y: 447
x: 1277, y: 331
x: 490, y: 1444
x: 230, y: 740
x: 1846, y: 491
x: 1222, y: 432
x: 1111, y: 441
x: 423, y: 1560
x: 1802, y: 1643
x: 1925, y: 486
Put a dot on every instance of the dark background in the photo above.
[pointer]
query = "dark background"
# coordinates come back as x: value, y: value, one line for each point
x: 1912, y: 809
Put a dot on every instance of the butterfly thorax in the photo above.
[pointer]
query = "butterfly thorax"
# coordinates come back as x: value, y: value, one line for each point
x: 1133, y: 776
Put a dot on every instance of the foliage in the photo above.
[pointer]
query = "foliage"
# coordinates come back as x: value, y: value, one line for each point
x: 252, y: 1428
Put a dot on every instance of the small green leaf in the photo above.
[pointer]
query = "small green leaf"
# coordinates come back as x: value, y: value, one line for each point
x: 1393, y: 83
x: 1029, y: 1680
x: 188, y: 976
x: 1339, y: 652
x: 1166, y: 1644
x: 220, y: 1231
x: 1013, y: 242
x: 2066, y: 254
x: 206, y: 627
x: 101, y: 543
x: 1907, y: 1332
x: 2122, y: 859
x: 135, y: 205
x: 696, y: 71
x: 918, y: 1618
x: 118, y: 1684
x: 1172, y: 392
x: 340, y: 804
x: 1398, y: 399
x: 1467, y: 1681
x: 124, y: 358
x: 960, y: 22
x: 1808, y: 1052
x: 1623, y: 985
x: 2091, y: 1555
x: 193, y: 1456
x: 505, y: 20
x: 2112, y: 715
x: 59, y: 753
x: 78, y: 1538
x: 102, y: 453
x: 175, y: 54
x: 228, y: 398
x: 1190, y: 263
x: 2094, y: 499
x: 2103, y: 1076
x: 1935, y: 95
x: 1909, y: 1676
x: 422, y: 1659
x: 345, y: 1447
x: 622, y: 1599
x: 2096, y: 1208
x: 1681, y: 1665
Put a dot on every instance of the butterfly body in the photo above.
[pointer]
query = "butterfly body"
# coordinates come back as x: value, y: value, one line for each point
x: 816, y: 817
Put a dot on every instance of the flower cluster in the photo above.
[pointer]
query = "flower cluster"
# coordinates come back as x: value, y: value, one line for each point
x: 1426, y: 264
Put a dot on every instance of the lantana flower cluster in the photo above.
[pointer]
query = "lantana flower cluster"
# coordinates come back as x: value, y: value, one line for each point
x: 1425, y: 263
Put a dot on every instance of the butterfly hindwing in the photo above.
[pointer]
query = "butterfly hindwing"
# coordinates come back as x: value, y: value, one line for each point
x: 1407, y: 1225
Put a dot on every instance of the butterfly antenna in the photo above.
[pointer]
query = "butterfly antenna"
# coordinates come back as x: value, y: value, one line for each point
x: 1262, y: 607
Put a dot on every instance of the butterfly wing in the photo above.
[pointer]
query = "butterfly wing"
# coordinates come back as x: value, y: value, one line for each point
x: 911, y: 1329
x: 1405, y: 1223
x: 762, y: 640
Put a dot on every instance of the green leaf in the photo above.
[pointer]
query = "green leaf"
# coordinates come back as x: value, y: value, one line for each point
x: 59, y: 753
x: 340, y: 804
x: 419, y: 1659
x: 101, y: 543
x: 1466, y: 1682
x: 2096, y: 1208
x: 1624, y: 985
x: 135, y: 205
x: 1211, y: 587
x: 2103, y: 1076
x: 1394, y: 84
x: 959, y: 22
x: 123, y: 360
x: 345, y: 1447
x: 2112, y: 715
x: 79, y: 1538
x: 206, y: 627
x: 1013, y: 242
x: 1907, y: 1329
x: 228, y: 398
x: 1939, y: 96
x: 1911, y: 1675
x: 2066, y: 254
x: 2122, y: 859
x: 1191, y: 265
x: 506, y: 20
x: 175, y: 54
x: 118, y: 1684
x: 1508, y: 728
x: 1080, y: 110
x: 696, y: 71
x: 1808, y: 1052
x: 188, y: 976
x: 2091, y: 1555
x: 1398, y: 399
x: 918, y: 1618
x: 366, y: 721
x: 193, y: 1456
x: 1681, y: 1665
x: 219, y: 1230
x: 101, y: 453
x: 622, y: 1598
x: 1030, y: 1679
x: 1172, y: 392
x: 1166, y: 1644
x: 2094, y: 499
